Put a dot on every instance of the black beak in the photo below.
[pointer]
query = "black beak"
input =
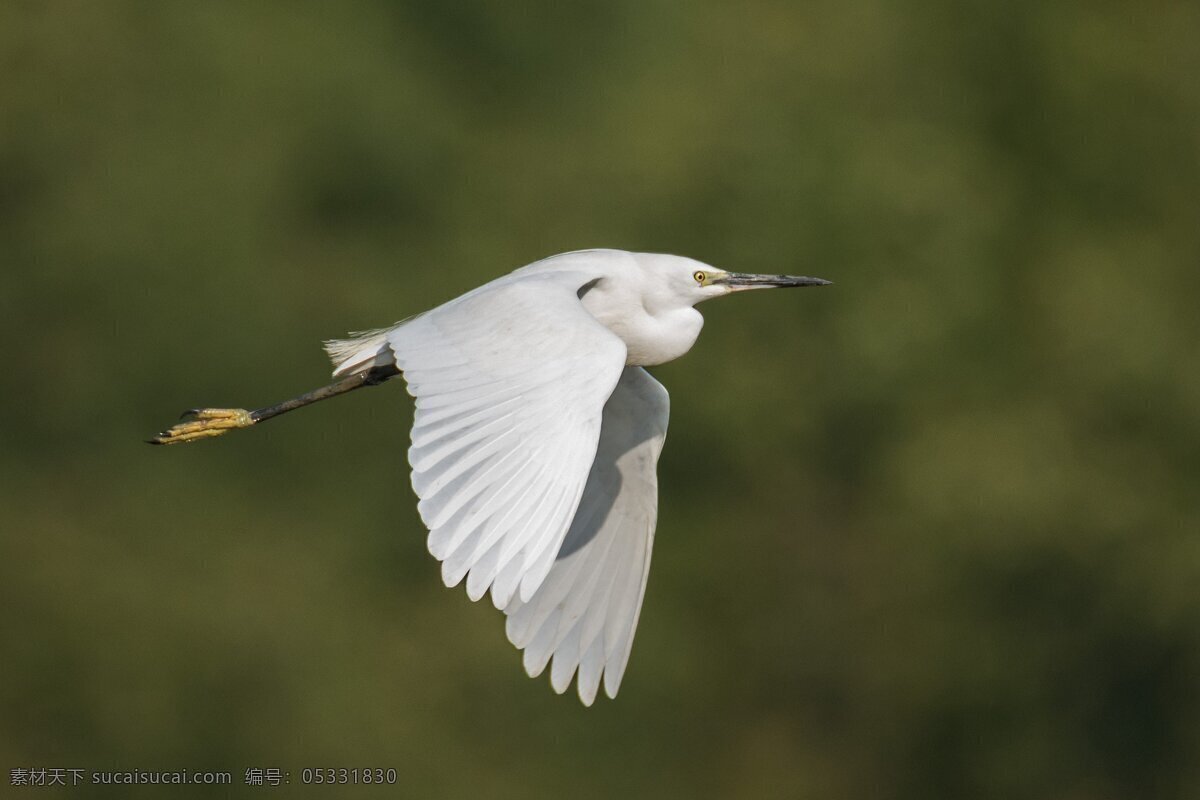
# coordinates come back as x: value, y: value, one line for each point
x: 742, y: 280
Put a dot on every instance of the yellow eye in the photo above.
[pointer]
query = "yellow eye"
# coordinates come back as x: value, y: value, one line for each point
x: 700, y: 277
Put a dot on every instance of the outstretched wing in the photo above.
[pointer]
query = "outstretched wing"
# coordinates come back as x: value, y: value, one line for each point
x: 510, y: 382
x: 585, y: 613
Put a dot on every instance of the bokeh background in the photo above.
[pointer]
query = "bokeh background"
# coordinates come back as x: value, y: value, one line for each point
x: 933, y: 532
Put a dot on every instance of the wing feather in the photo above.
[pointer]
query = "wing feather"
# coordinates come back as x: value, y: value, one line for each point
x: 583, y: 615
x: 510, y: 382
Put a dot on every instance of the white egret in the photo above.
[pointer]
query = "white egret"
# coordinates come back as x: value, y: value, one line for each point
x: 536, y: 438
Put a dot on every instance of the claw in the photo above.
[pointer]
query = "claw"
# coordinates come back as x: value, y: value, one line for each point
x: 203, y: 423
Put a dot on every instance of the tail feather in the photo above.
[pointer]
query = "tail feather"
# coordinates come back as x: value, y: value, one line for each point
x: 363, y: 350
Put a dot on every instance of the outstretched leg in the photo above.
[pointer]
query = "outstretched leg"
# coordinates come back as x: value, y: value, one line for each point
x: 203, y: 423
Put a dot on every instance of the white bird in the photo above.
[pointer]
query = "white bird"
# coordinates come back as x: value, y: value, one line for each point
x: 536, y: 439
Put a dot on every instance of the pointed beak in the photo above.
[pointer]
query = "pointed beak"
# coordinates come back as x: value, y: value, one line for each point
x: 740, y: 281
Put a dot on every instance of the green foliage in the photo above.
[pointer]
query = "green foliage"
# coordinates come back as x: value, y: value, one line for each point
x: 932, y: 532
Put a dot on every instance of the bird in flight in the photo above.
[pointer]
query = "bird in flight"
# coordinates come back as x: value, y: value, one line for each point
x: 536, y: 439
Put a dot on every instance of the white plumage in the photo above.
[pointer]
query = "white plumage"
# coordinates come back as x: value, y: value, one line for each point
x: 536, y: 438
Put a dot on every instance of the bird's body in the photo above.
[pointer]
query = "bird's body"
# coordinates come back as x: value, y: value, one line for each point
x: 634, y: 295
x: 536, y: 438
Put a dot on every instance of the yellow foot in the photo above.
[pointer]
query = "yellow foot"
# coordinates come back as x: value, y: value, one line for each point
x: 201, y: 423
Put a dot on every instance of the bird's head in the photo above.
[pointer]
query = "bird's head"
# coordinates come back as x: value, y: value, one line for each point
x: 693, y: 281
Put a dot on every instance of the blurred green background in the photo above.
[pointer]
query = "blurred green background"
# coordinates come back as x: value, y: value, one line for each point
x: 933, y: 532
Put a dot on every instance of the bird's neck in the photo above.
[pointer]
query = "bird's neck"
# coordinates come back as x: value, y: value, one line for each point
x: 652, y: 335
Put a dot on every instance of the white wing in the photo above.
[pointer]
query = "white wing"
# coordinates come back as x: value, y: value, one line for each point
x: 585, y: 613
x: 510, y: 381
